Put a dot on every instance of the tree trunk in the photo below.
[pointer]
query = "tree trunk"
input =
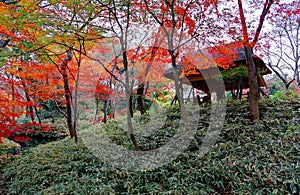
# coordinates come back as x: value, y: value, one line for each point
x: 37, y: 115
x: 13, y: 97
x: 75, y: 102
x: 240, y: 89
x: 29, y: 108
x: 130, y: 106
x: 105, y: 111
x: 178, y: 88
x: 232, y: 94
x: 129, y: 121
x: 181, y: 92
x: 297, y: 77
x: 253, y: 84
x: 97, y: 110
x: 188, y: 98
x: 174, y: 100
x: 262, y: 92
x: 129, y: 111
x: 68, y: 98
x: 140, y: 97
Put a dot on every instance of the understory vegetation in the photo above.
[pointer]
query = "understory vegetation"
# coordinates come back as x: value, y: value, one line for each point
x: 248, y: 158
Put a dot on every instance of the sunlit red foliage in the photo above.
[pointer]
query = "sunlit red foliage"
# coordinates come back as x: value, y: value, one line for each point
x: 102, y: 89
x: 225, y: 53
x: 222, y: 56
x: 23, y: 85
x: 63, y: 26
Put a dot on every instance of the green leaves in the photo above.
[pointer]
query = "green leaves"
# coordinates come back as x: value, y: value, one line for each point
x: 234, y: 74
x: 248, y: 158
x: 27, y: 44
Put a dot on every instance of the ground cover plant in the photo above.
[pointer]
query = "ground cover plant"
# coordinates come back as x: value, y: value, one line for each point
x: 247, y: 159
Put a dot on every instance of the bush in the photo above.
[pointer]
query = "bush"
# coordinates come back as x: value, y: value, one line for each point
x: 9, y: 146
x: 284, y: 95
x: 248, y: 158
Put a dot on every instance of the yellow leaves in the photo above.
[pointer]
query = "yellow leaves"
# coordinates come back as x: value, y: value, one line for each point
x: 56, y: 50
x: 28, y: 5
x: 53, y: 1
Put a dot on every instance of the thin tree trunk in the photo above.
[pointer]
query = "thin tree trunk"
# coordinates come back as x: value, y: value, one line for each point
x: 181, y: 92
x: 29, y: 109
x: 75, y: 110
x: 188, y: 98
x: 240, y: 93
x: 132, y: 138
x: 129, y: 121
x: 68, y: 98
x: 37, y: 114
x: 129, y: 112
x: 30, y: 112
x: 262, y: 92
x: 297, y: 76
x: 178, y: 88
x: 199, y: 100
x: 97, y: 109
x: 109, y: 99
x: 232, y: 93
x: 141, y: 91
x: 252, y: 73
x: 240, y: 89
x: 174, y: 100
x: 13, y: 97
x: 253, y: 84
x: 105, y: 111
x: 130, y: 106
x: 140, y: 97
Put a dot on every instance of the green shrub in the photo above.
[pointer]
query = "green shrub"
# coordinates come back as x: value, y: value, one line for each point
x: 8, y: 146
x: 248, y: 158
x: 284, y: 95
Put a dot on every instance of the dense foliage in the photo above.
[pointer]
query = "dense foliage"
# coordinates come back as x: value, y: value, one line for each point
x: 117, y: 46
x: 248, y: 158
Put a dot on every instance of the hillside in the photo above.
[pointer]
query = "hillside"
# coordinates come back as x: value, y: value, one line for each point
x: 247, y: 159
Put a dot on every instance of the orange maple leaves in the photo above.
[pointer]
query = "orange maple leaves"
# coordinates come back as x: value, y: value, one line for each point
x: 222, y: 56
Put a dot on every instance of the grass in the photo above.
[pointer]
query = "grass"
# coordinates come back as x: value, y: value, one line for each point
x: 247, y: 159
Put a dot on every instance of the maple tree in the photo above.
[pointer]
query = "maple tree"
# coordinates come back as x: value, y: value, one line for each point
x: 64, y: 28
x: 250, y: 37
x: 49, y: 37
x: 183, y: 23
x: 125, y: 58
x: 65, y: 46
x: 21, y: 83
x: 152, y: 56
x: 120, y: 18
x: 44, y: 44
x: 102, y: 92
x: 100, y: 72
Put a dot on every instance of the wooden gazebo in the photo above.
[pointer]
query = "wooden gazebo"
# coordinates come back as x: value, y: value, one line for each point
x: 209, y: 76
